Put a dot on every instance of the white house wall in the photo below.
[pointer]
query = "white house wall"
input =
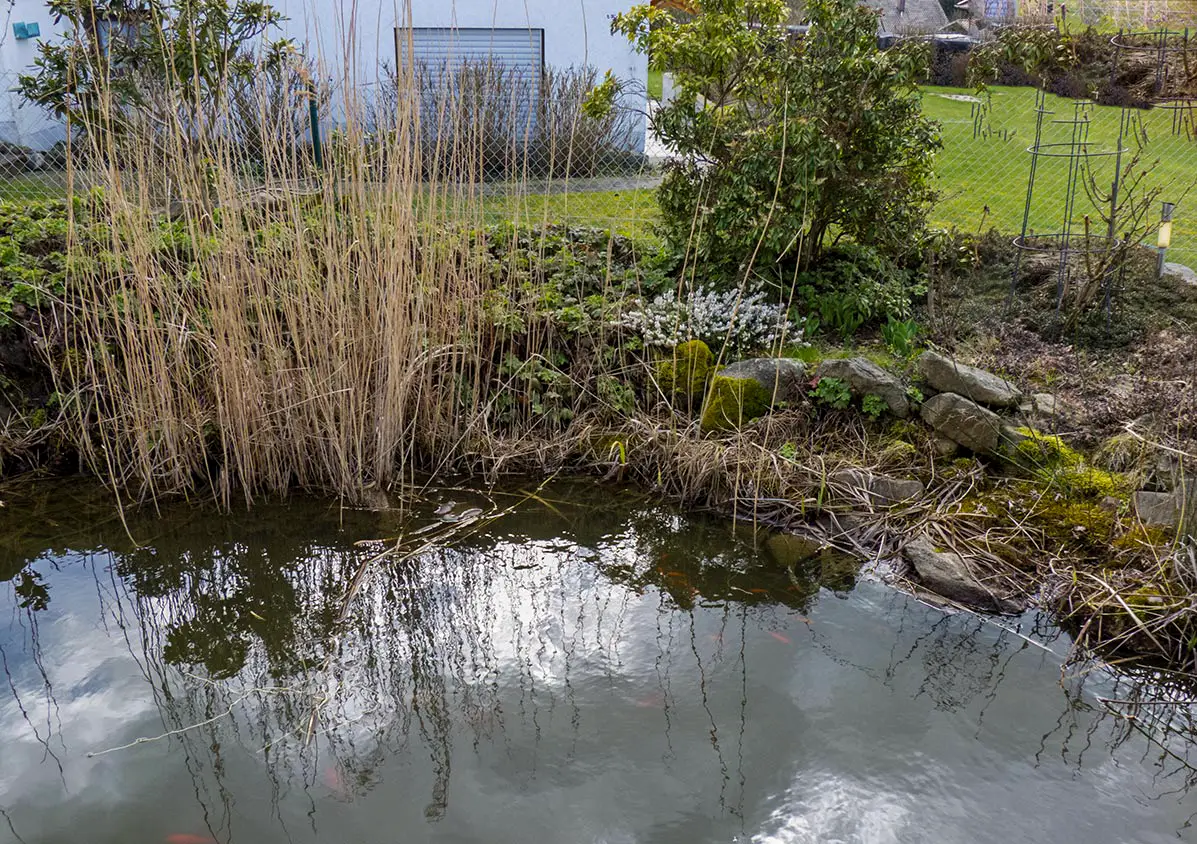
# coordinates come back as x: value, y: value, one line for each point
x: 577, y: 33
x: 24, y: 124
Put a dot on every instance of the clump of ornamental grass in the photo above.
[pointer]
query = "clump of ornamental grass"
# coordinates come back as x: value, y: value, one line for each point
x: 323, y: 327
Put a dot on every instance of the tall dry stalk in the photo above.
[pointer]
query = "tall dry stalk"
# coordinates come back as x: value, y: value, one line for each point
x: 322, y: 328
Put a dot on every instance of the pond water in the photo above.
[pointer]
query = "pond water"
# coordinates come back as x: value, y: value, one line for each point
x: 582, y: 665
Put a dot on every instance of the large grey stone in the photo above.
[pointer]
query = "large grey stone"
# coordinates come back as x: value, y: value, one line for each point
x: 784, y: 378
x: 865, y: 378
x: 1167, y: 509
x: 1039, y: 405
x: 789, y: 549
x: 880, y: 489
x: 944, y: 447
x: 949, y: 376
x: 947, y: 574
x: 963, y: 421
x: 1181, y: 273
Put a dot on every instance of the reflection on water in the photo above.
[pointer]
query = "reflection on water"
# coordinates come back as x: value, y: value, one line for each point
x: 577, y: 664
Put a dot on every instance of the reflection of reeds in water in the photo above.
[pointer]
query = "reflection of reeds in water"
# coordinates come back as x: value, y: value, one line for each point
x: 485, y: 643
x: 248, y: 646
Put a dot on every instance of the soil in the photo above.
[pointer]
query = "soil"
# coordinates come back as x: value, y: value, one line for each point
x: 1137, y: 366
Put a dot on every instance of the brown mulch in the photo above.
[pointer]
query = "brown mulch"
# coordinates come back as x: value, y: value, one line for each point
x: 1153, y: 386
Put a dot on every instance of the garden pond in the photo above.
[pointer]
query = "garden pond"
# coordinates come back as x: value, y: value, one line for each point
x: 566, y: 663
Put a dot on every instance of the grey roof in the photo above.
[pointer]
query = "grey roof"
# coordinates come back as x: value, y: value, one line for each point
x: 919, y: 15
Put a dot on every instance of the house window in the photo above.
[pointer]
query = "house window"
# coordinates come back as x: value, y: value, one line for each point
x: 489, y: 77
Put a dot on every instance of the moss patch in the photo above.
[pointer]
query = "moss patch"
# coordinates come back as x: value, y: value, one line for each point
x: 685, y: 373
x: 732, y: 402
x: 1054, y: 462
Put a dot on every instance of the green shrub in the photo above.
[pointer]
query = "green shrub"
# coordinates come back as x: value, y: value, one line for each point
x: 900, y: 335
x: 833, y: 393
x: 856, y: 285
x: 33, y: 262
x: 873, y: 406
x: 783, y: 142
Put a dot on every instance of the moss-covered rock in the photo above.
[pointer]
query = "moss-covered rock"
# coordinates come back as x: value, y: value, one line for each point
x: 1141, y: 536
x: 1051, y: 460
x: 685, y: 372
x: 733, y: 401
x: 838, y: 571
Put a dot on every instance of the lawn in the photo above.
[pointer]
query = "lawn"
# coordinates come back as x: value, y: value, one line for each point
x: 49, y: 184
x: 627, y: 211
x: 622, y: 211
x: 983, y: 176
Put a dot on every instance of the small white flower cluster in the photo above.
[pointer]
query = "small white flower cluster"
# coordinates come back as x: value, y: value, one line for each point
x: 741, y: 321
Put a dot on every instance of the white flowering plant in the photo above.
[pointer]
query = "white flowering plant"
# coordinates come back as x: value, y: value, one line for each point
x: 733, y: 319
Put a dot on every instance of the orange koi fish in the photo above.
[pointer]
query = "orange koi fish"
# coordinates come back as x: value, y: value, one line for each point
x: 334, y: 781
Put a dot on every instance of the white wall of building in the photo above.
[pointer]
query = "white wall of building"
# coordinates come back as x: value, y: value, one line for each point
x: 19, y: 123
x: 576, y: 33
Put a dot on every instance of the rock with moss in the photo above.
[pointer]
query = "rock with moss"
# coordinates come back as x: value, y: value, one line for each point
x: 784, y: 378
x: 838, y: 571
x: 867, y: 378
x: 789, y: 549
x: 1051, y: 460
x: 733, y: 401
x: 686, y: 371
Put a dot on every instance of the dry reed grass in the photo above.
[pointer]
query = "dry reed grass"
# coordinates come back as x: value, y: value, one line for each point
x: 325, y: 330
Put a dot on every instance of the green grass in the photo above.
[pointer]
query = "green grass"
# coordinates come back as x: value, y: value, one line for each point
x: 628, y: 212
x: 655, y: 84
x: 983, y: 180
x: 25, y: 187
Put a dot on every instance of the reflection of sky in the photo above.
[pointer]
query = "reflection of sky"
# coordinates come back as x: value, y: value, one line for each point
x: 99, y: 696
x: 618, y: 718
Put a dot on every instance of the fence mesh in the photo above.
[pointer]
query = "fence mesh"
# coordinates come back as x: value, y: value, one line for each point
x: 543, y: 163
x: 985, y: 166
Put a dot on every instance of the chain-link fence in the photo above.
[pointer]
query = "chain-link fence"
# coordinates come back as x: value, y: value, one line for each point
x: 984, y: 170
x: 32, y: 148
x: 519, y: 146
x: 536, y: 159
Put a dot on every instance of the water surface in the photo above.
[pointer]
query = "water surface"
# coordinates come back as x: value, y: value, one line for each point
x: 584, y: 665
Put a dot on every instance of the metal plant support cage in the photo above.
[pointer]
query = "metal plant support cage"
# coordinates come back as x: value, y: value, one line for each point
x: 1067, y: 243
x: 1163, y: 44
x: 1170, y: 49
